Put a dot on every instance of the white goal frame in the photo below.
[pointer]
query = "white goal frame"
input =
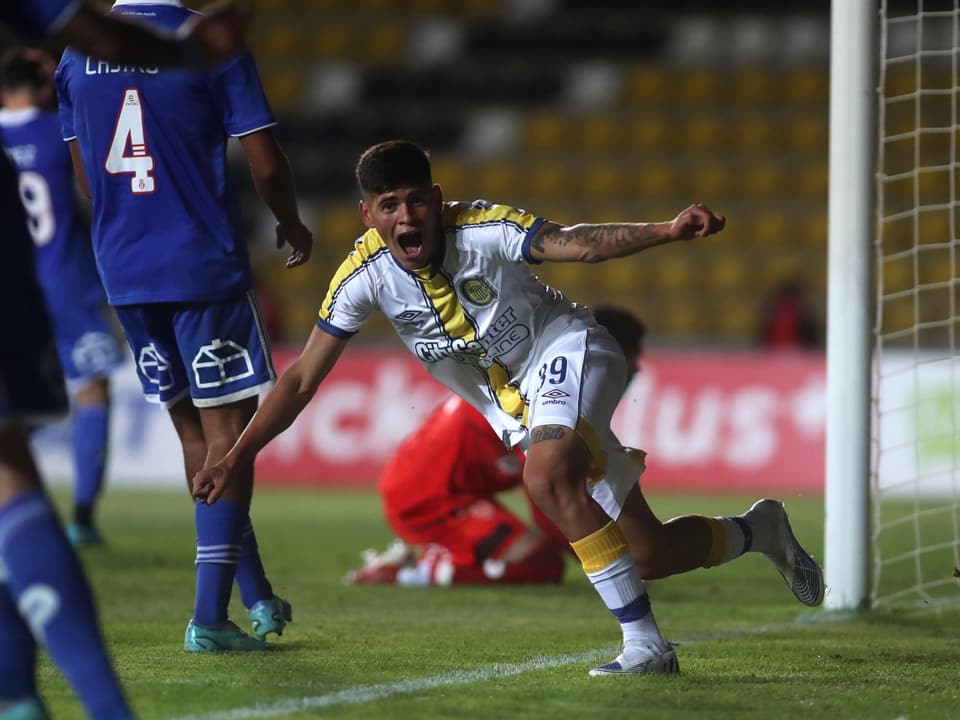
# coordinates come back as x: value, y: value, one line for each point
x: 853, y: 113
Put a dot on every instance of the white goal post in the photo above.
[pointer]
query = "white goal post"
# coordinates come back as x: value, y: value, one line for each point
x: 892, y: 531
x: 850, y: 219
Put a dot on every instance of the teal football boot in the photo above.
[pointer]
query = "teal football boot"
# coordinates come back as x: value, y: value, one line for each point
x: 205, y: 639
x: 270, y: 616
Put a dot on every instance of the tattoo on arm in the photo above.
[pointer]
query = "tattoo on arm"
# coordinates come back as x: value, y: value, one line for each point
x: 548, y: 432
x: 610, y: 239
x: 550, y: 233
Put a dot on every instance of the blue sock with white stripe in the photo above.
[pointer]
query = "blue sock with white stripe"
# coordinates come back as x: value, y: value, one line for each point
x: 251, y: 575
x: 90, y: 431
x: 219, y: 532
x: 52, y: 594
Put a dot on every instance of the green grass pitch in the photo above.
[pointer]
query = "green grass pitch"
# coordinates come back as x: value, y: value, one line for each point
x: 747, y: 649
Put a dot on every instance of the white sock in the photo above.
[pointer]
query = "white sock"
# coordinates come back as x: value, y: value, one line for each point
x: 623, y: 591
x: 736, y: 540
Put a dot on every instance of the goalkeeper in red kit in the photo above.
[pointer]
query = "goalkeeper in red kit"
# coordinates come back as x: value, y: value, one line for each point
x: 439, y: 495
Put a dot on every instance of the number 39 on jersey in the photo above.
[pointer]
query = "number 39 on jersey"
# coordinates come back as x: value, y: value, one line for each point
x: 130, y: 128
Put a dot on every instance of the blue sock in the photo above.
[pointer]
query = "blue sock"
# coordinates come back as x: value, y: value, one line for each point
x: 219, y: 531
x: 52, y: 593
x: 90, y: 435
x: 251, y: 575
x: 18, y: 650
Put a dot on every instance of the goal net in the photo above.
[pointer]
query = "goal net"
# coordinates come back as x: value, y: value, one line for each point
x: 916, y: 398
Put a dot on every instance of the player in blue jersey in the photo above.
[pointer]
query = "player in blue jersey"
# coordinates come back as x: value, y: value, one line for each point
x: 151, y: 146
x: 44, y: 596
x: 88, y: 347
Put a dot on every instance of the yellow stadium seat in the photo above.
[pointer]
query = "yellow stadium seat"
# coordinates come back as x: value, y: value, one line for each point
x: 573, y: 279
x: 900, y: 79
x: 454, y: 176
x: 934, y: 186
x: 933, y: 227
x: 654, y: 180
x: 599, y: 133
x: 765, y: 179
x: 757, y: 85
x: 898, y: 274
x: 896, y: 236
x: 605, y: 180
x: 646, y: 86
x: 675, y: 271
x: 726, y: 273
x: 757, y: 133
x: 384, y: 42
x: 806, y: 85
x: 769, y: 227
x: 705, y: 132
x: 811, y: 178
x: 897, y: 314
x: 280, y: 41
x: 736, y: 318
x: 899, y: 117
x: 936, y: 266
x: 683, y: 318
x: 650, y: 132
x: 495, y: 181
x: 552, y: 177
x: 807, y: 133
x: 338, y: 226
x: 709, y: 182
x: 699, y: 86
x: 283, y: 85
x: 630, y: 276
x: 547, y: 131
x: 812, y: 227
x: 331, y: 41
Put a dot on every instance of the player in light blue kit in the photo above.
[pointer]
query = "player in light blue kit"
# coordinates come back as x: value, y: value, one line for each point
x: 89, y: 350
x: 151, y: 146
x: 44, y: 596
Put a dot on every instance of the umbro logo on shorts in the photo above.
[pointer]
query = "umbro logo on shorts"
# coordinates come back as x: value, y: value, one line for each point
x: 555, y: 394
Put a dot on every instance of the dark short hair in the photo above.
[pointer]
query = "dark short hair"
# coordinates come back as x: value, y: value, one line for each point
x: 391, y: 165
x: 20, y: 72
x: 627, y: 329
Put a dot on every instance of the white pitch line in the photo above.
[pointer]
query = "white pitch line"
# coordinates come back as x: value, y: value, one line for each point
x: 370, y: 693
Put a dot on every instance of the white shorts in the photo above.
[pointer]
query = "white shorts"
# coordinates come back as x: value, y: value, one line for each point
x: 582, y: 377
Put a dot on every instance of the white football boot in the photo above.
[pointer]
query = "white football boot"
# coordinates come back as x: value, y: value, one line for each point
x: 640, y: 661
x: 768, y: 521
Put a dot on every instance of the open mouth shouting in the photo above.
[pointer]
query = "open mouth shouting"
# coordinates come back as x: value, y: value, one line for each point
x: 411, y: 244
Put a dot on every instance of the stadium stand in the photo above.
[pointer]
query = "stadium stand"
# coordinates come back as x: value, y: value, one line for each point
x: 580, y: 111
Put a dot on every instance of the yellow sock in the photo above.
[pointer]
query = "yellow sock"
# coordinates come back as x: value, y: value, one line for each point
x: 600, y: 548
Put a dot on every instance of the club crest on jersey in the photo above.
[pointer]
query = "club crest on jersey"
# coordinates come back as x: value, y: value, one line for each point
x: 478, y: 291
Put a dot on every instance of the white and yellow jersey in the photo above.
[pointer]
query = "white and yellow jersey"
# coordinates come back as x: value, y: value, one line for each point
x: 477, y: 318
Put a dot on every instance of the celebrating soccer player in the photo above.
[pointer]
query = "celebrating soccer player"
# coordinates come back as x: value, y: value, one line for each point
x: 451, y: 278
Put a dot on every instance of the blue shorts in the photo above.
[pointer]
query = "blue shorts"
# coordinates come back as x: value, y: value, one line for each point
x: 31, y: 379
x: 86, y: 341
x: 216, y: 352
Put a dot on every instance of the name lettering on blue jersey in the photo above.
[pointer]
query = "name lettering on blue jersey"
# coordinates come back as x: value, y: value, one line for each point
x: 23, y: 156
x: 100, y: 67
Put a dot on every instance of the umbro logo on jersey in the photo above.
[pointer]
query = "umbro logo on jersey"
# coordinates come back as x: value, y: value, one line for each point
x: 555, y: 394
x: 409, y: 322
x: 478, y: 291
x: 408, y: 316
